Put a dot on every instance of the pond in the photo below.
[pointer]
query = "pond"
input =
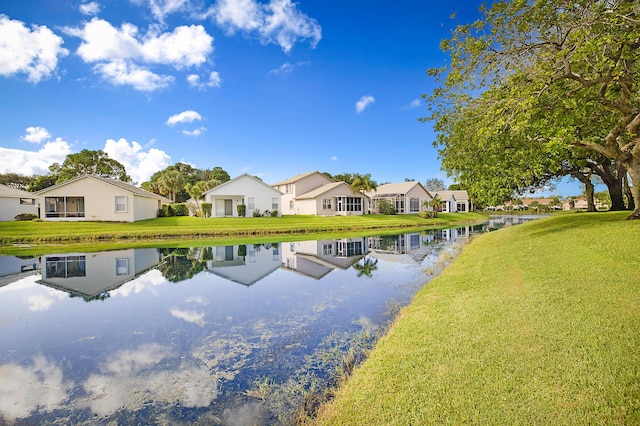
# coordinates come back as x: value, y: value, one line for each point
x: 245, y: 334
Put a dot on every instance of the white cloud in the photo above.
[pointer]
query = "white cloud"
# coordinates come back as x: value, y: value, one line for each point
x: 188, y: 116
x: 121, y: 73
x: 214, y: 81
x: 36, y: 134
x: 287, y: 68
x: 413, y: 104
x: 162, y: 8
x: 33, y: 52
x: 195, y: 132
x: 140, y: 165
x: 195, y: 317
x: 91, y: 8
x: 123, y: 55
x: 39, y: 385
x: 278, y: 22
x: 334, y: 158
x: 364, y: 102
x: 33, y: 162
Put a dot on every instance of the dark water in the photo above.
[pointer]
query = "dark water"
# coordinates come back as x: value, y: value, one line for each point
x: 247, y: 334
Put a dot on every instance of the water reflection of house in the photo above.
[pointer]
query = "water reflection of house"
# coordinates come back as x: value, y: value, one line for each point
x: 452, y: 234
x: 244, y: 264
x: 89, y: 275
x: 316, y: 259
x: 13, y: 268
x: 403, y: 248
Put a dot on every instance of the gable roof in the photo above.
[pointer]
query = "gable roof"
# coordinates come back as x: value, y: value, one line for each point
x: 117, y: 183
x: 300, y: 177
x: 395, y: 189
x: 314, y: 193
x: 242, y: 176
x: 7, y: 191
x: 459, y: 195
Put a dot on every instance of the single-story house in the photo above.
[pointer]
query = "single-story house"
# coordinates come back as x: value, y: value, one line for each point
x: 316, y: 194
x: 16, y: 201
x: 89, y: 197
x: 246, y: 190
x: 455, y: 201
x: 406, y: 197
x: 91, y: 275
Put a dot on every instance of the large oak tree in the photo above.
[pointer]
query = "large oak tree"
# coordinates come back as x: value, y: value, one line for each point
x: 561, y: 74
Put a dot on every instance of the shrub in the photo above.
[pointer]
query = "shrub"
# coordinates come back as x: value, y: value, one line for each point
x: 180, y: 209
x: 428, y: 215
x: 206, y: 209
x: 26, y: 216
x: 385, y: 207
x: 274, y: 213
x: 242, y: 250
x: 256, y: 213
x: 165, y: 211
x: 242, y: 210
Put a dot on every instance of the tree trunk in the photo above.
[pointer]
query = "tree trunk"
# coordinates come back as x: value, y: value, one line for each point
x: 613, y: 180
x: 627, y: 193
x: 634, y: 172
x: 589, y: 191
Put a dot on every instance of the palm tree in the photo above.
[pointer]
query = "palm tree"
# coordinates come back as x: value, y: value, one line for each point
x: 363, y: 183
x: 367, y: 267
x: 170, y: 183
x: 436, y: 204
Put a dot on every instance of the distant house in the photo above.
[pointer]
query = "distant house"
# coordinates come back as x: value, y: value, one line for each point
x: 455, y: 201
x: 406, y: 197
x: 314, y: 193
x: 89, y: 197
x: 16, y: 201
x: 243, y: 190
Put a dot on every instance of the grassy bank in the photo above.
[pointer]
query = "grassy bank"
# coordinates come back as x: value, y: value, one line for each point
x: 192, y: 227
x: 535, y: 324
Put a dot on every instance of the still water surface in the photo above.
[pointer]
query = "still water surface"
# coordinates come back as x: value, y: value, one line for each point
x: 209, y: 335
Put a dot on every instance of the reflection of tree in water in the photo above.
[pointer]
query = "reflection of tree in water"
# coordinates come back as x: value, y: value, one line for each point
x: 178, y: 264
x: 367, y: 266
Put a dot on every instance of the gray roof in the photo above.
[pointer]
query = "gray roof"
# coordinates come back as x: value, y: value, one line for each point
x: 460, y: 195
x: 297, y: 178
x: 321, y: 190
x: 7, y: 191
x: 222, y: 185
x: 394, y: 189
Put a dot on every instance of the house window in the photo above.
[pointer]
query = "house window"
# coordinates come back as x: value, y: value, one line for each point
x: 400, y: 205
x: 122, y: 266
x: 66, y: 266
x: 27, y: 201
x: 64, y: 207
x: 274, y: 203
x: 326, y: 203
x: 121, y: 204
x: 327, y: 249
x: 348, y: 204
x: 462, y: 207
x: 252, y: 203
x: 289, y: 188
x: 414, y: 205
x: 349, y: 248
x: 291, y: 205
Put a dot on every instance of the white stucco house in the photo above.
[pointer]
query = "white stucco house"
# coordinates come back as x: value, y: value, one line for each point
x: 455, y: 201
x: 16, y: 201
x: 315, y: 194
x: 89, y: 197
x: 406, y: 197
x: 244, y: 189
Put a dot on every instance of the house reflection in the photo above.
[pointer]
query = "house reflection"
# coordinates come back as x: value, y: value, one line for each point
x: 92, y: 275
x: 243, y: 264
x: 316, y: 259
x: 13, y: 268
x: 403, y: 248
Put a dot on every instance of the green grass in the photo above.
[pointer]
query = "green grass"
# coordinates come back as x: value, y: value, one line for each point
x: 145, y: 232
x: 534, y: 324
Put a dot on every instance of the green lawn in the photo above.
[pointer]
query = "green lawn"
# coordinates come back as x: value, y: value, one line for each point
x: 178, y: 231
x: 534, y: 324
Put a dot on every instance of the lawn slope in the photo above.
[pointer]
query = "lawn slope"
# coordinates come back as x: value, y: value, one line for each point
x: 534, y: 324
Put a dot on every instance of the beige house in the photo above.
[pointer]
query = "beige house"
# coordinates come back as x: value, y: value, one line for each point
x: 246, y: 190
x: 455, y: 201
x: 406, y: 197
x: 16, y: 201
x: 90, y: 197
x: 314, y: 193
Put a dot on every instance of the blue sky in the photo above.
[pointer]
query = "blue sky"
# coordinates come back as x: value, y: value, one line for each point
x: 273, y: 88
